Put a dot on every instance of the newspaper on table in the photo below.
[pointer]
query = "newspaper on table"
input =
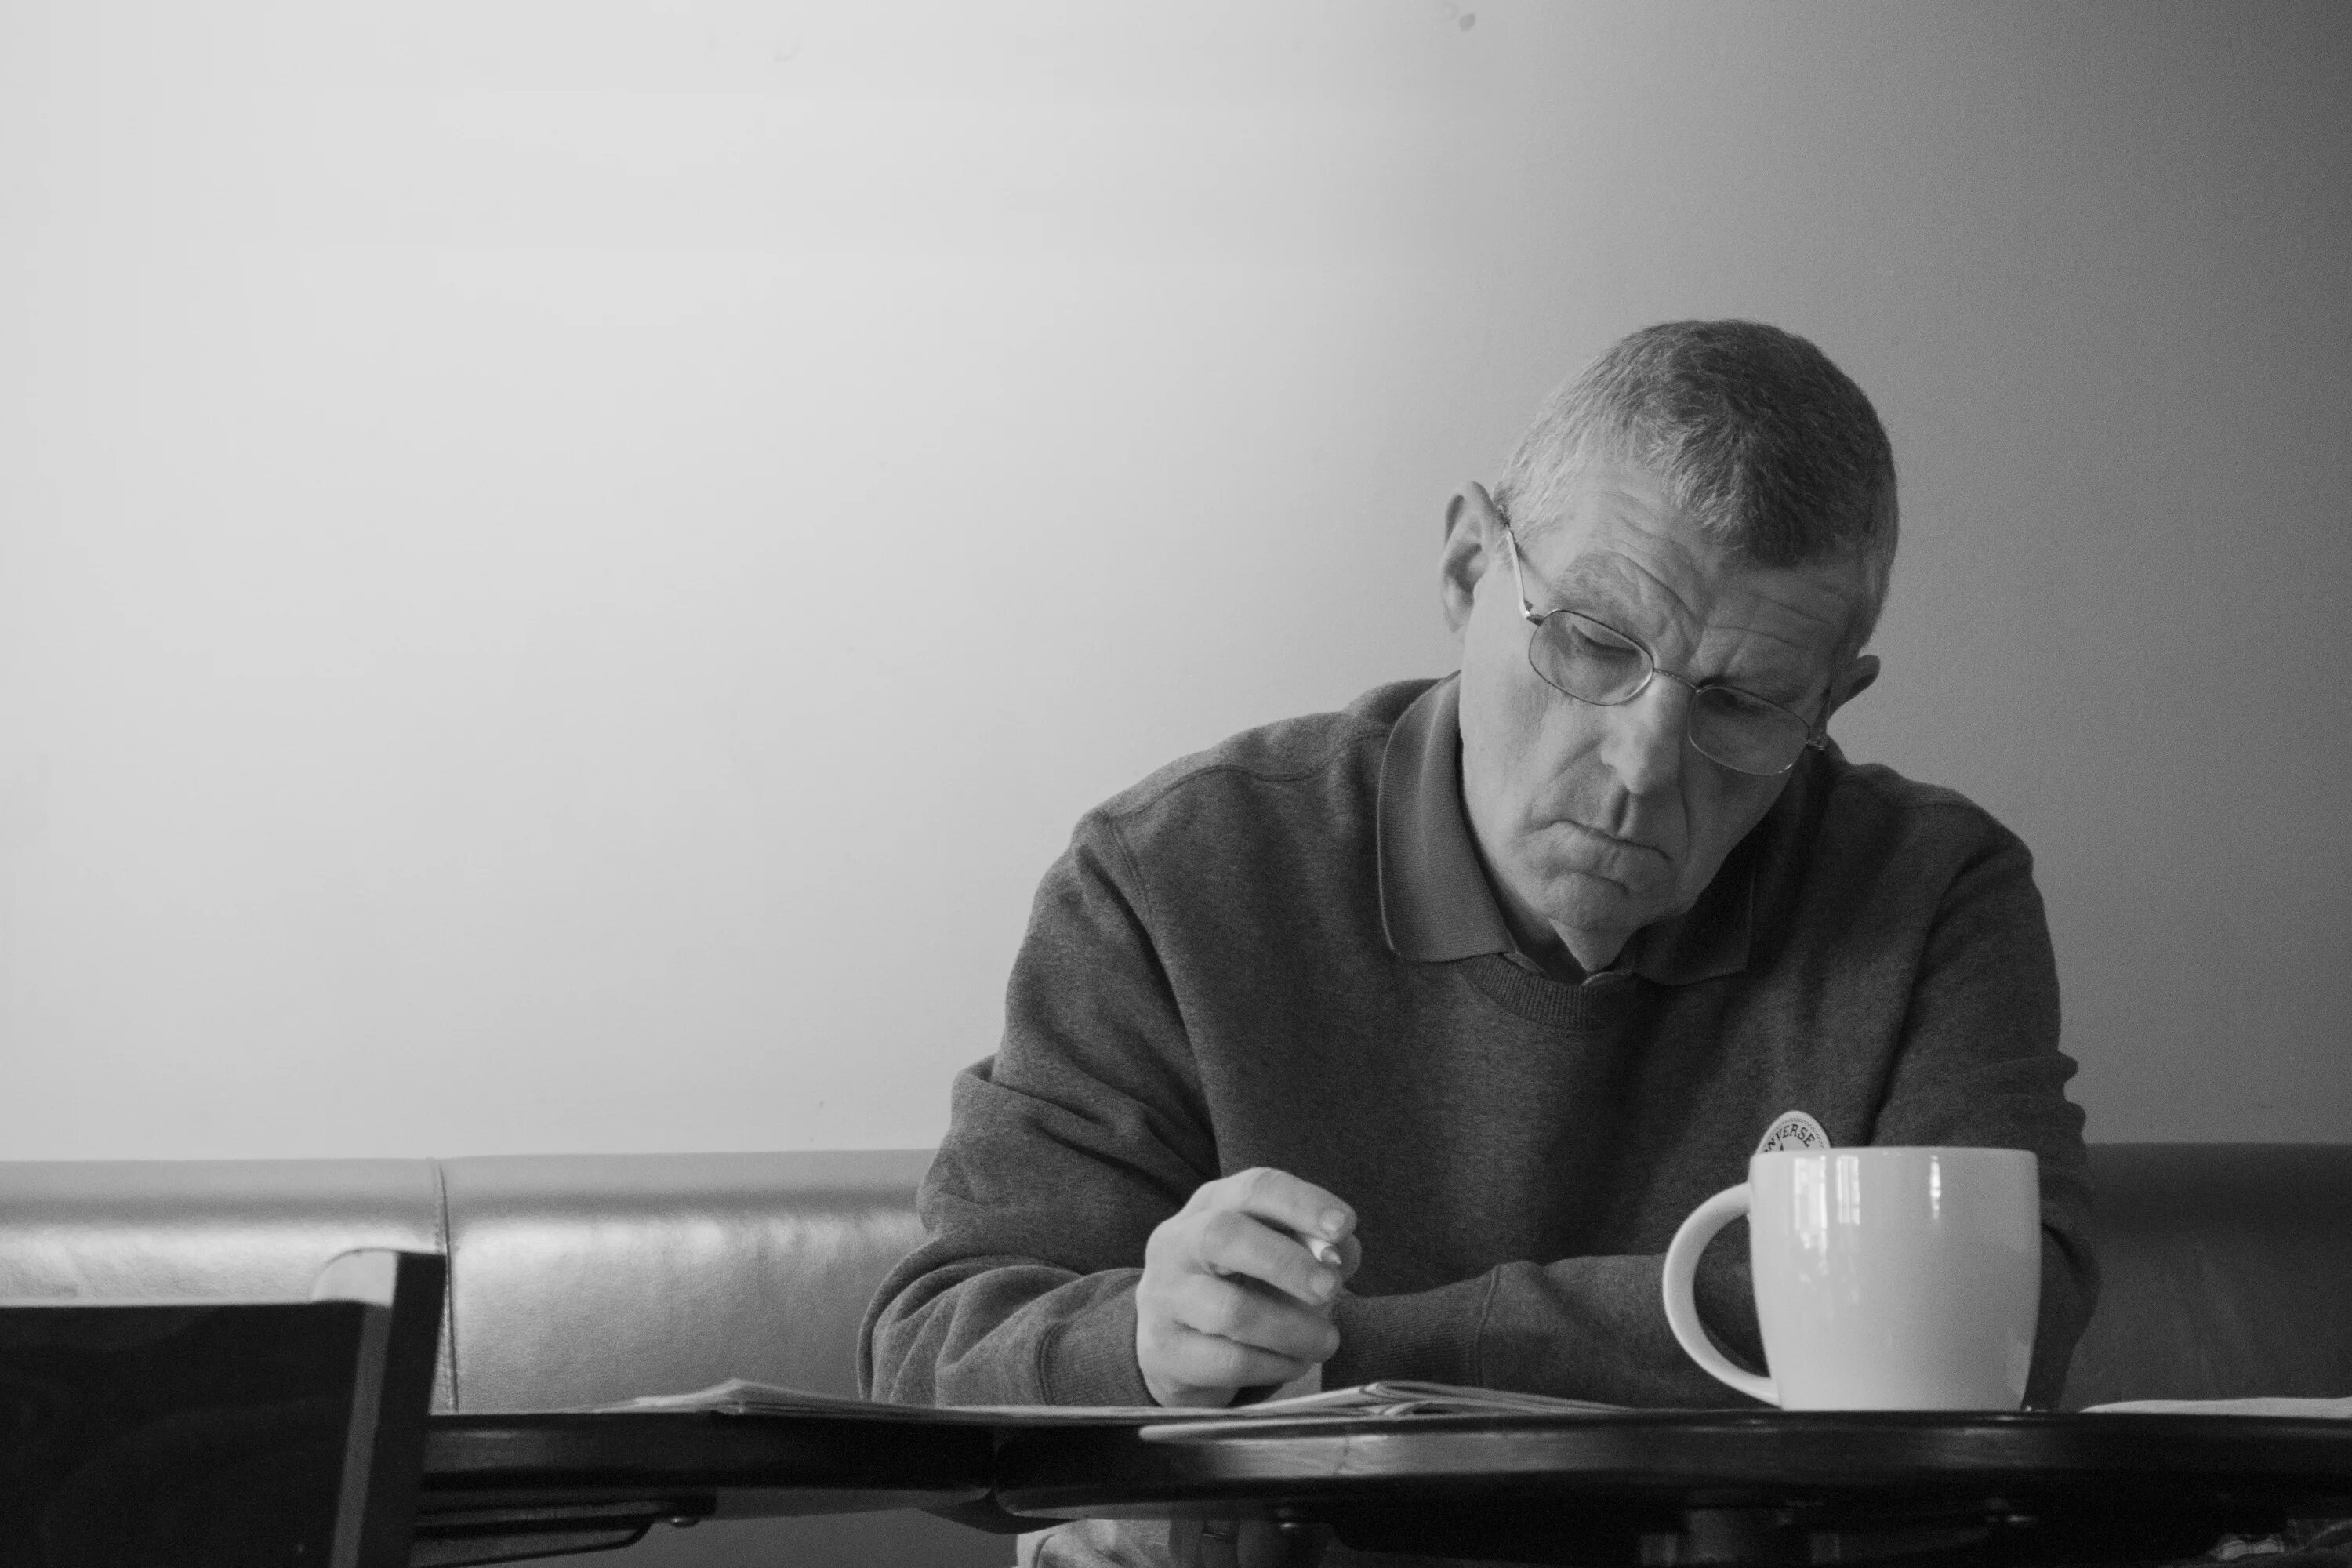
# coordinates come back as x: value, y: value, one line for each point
x: 737, y: 1397
x: 2309, y: 1409
x: 1396, y: 1397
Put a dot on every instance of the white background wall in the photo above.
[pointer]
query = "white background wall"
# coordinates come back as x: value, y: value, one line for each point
x: 565, y: 566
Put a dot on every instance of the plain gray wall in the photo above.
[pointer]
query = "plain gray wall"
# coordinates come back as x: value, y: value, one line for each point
x: 565, y: 567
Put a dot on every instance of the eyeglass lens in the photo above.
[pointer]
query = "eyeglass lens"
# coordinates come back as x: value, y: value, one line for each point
x: 1592, y: 663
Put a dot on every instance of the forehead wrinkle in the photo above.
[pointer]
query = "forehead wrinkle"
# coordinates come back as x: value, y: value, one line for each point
x: 1798, y: 668
x: 1590, y: 577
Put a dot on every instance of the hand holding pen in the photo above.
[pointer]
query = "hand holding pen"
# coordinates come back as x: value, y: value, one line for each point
x: 1237, y: 1288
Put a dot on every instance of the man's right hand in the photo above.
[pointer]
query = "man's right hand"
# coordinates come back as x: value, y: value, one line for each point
x: 1231, y: 1297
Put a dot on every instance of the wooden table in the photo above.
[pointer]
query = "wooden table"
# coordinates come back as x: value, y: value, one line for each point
x: 1711, y: 1487
x: 1643, y: 1490
x: 499, y: 1487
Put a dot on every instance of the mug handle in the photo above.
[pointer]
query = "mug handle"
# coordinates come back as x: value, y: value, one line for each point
x: 1682, y: 1305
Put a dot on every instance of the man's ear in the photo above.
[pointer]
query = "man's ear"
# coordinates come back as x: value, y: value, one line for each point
x: 1471, y: 522
x: 1857, y: 681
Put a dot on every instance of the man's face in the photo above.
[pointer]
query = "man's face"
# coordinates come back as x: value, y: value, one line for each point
x: 1593, y: 821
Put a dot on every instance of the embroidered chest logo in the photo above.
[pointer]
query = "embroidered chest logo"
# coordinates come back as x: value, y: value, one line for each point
x: 1793, y: 1130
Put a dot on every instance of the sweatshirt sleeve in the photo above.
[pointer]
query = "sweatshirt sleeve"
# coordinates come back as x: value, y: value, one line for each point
x: 1980, y: 1066
x: 1581, y: 1328
x: 1975, y: 1062
x: 1064, y: 1152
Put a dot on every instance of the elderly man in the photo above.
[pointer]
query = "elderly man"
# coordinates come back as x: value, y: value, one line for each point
x: 1488, y: 981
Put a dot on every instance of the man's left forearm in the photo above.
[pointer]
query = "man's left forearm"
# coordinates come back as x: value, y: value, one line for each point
x: 1579, y: 1328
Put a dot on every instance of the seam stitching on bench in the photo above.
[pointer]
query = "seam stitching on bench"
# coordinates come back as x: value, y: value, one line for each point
x: 448, y: 1288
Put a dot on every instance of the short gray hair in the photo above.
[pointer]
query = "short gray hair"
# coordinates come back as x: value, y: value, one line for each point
x: 1771, y: 448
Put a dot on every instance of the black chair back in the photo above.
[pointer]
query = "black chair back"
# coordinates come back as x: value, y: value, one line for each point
x: 221, y: 1434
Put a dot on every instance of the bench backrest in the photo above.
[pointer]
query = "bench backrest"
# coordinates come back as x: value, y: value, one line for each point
x: 573, y: 1280
x: 576, y: 1278
x: 2228, y: 1273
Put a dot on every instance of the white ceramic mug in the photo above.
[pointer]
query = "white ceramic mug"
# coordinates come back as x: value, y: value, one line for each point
x: 1885, y: 1279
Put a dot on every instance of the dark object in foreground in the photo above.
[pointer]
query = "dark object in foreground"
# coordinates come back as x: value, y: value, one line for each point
x: 230, y: 1435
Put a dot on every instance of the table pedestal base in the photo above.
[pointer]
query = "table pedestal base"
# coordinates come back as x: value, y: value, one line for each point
x: 1988, y: 1536
x: 1246, y: 1542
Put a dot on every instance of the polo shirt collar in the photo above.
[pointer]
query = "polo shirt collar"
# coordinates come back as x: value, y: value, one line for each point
x: 1435, y: 904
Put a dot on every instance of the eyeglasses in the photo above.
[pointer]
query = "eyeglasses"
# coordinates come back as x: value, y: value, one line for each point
x: 1594, y: 662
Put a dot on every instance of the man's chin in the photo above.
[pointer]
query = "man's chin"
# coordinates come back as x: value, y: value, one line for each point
x: 1587, y: 900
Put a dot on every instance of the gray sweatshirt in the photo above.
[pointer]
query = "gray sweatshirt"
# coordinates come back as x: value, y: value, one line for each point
x: 1282, y: 951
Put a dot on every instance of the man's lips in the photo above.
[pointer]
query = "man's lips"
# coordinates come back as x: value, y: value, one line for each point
x: 1609, y: 838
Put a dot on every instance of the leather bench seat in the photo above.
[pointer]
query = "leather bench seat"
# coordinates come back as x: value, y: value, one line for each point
x: 2228, y: 1273
x: 573, y: 1280
x: 577, y: 1279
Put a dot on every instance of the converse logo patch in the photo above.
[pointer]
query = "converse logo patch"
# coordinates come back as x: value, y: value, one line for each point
x: 1793, y: 1130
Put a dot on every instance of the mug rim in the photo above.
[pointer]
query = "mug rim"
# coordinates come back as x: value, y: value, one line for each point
x: 1967, y: 1150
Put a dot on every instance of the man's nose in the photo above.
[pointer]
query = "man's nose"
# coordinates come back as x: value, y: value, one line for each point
x: 1644, y: 747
